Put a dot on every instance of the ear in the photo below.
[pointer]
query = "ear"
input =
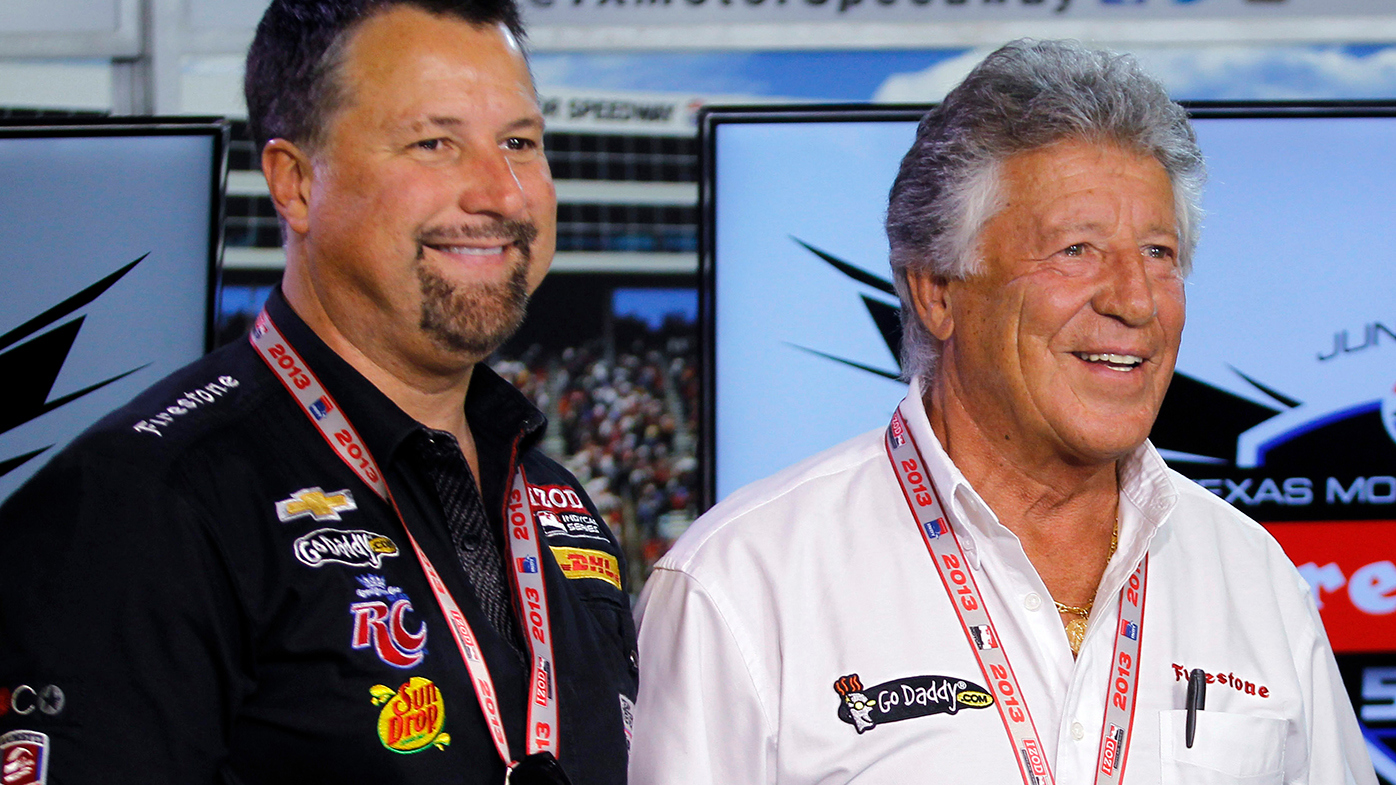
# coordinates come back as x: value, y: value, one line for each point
x: 289, y: 176
x: 931, y: 295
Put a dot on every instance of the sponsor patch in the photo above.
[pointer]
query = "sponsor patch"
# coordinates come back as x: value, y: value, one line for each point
x: 527, y: 564
x: 571, y: 524
x: 188, y: 402
x: 356, y: 548
x: 934, y: 528
x: 24, y: 700
x: 627, y: 718
x: 316, y: 503
x: 1227, y: 679
x: 383, y: 626
x: 23, y: 758
x: 904, y: 699
x: 1129, y: 629
x: 586, y: 563
x: 376, y: 586
x: 412, y: 716
x: 558, y: 498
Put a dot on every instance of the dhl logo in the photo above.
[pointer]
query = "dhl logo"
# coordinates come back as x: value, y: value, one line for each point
x: 586, y: 563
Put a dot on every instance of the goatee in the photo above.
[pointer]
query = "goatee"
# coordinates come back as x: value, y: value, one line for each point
x: 476, y: 320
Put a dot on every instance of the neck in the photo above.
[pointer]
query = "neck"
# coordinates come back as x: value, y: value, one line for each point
x: 433, y: 397
x: 1063, y: 514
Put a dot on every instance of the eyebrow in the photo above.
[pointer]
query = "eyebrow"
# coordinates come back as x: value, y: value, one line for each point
x: 446, y: 121
x: 1092, y: 226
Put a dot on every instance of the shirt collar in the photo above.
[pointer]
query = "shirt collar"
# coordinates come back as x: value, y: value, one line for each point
x: 1147, y: 497
x: 493, y: 407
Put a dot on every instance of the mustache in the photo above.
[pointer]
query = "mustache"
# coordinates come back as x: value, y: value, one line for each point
x: 519, y: 233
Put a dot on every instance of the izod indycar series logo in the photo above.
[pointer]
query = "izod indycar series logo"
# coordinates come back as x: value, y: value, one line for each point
x: 356, y: 548
x: 904, y: 699
x: 412, y: 717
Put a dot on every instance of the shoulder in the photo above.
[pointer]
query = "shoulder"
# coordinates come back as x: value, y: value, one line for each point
x: 199, y: 408
x: 781, y: 505
x: 1209, y: 530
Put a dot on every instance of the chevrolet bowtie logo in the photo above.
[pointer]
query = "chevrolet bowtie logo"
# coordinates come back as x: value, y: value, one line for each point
x: 316, y: 503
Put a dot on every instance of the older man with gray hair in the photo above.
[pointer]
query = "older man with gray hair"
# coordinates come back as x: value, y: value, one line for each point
x: 962, y: 596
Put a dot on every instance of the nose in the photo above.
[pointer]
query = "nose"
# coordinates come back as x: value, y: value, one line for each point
x: 490, y: 186
x: 1127, y: 292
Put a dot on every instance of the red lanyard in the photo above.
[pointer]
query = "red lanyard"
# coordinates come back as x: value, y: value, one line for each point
x: 329, y: 419
x: 941, y: 541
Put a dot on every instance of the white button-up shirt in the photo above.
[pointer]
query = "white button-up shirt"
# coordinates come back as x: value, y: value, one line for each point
x: 753, y: 624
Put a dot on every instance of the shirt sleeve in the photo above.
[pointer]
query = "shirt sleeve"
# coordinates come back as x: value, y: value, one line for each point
x: 118, y: 618
x: 1337, y: 749
x: 699, y: 718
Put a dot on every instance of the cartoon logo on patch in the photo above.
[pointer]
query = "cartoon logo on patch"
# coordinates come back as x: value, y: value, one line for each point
x: 23, y: 758
x: 356, y: 548
x: 904, y: 699
x: 316, y: 503
x: 412, y: 717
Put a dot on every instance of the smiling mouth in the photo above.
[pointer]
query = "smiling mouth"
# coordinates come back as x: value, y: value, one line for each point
x: 470, y: 250
x: 1115, y: 362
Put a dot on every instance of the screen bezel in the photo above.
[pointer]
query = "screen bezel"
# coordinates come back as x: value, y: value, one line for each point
x: 216, y: 128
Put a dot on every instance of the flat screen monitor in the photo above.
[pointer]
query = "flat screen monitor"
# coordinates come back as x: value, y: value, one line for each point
x: 110, y: 236
x: 1284, y: 400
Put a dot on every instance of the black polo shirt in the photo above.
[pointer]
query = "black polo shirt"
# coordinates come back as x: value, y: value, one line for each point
x: 203, y: 591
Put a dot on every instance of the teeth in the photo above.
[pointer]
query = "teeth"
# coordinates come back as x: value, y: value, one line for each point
x: 1118, y: 361
x: 470, y: 250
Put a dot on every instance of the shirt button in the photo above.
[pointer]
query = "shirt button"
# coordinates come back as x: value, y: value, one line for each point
x: 1078, y: 731
x: 1032, y: 602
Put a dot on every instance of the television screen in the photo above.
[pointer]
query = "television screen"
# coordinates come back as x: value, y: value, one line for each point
x: 108, y: 252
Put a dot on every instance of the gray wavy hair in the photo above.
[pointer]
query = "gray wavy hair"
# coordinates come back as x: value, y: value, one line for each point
x: 1025, y: 96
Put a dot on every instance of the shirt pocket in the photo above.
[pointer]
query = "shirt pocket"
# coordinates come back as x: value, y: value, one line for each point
x: 1227, y: 749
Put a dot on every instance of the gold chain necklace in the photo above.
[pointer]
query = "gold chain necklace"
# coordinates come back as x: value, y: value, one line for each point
x: 1076, y: 628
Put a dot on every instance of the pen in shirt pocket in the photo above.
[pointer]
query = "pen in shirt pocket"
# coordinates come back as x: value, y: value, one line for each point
x: 1197, y: 701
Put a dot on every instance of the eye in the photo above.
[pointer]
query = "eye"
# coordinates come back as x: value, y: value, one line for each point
x: 430, y: 145
x: 521, y: 144
x: 1158, y: 252
x: 1078, y: 249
